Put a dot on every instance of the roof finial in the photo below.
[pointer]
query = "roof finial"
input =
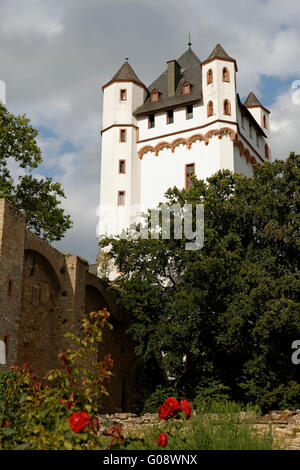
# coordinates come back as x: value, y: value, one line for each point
x: 126, y: 58
x: 189, y: 44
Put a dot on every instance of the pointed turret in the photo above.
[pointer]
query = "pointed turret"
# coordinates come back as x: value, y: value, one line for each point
x: 252, y: 100
x: 126, y: 74
x: 220, y: 53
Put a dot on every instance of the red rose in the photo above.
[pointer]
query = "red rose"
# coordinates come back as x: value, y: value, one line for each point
x: 172, y: 404
x: 186, y: 407
x: 162, y: 439
x: 163, y: 411
x: 78, y: 421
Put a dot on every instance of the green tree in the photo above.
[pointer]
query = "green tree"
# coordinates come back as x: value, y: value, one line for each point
x: 231, y: 309
x: 39, y: 199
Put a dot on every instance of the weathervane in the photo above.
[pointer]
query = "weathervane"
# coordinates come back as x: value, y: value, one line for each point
x: 189, y: 44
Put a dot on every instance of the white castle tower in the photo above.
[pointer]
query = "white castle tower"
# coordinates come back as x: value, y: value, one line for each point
x: 190, y: 120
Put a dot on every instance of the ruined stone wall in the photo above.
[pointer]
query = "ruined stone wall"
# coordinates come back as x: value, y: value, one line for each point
x: 43, y: 295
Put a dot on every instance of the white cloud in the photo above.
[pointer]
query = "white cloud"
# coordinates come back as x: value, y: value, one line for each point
x: 56, y: 55
x: 30, y: 17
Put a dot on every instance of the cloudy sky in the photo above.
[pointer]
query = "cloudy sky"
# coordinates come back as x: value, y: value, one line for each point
x: 56, y: 54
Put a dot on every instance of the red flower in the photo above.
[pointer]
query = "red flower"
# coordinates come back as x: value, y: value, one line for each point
x: 172, y: 405
x: 162, y: 439
x: 163, y: 411
x: 78, y: 421
x: 186, y: 407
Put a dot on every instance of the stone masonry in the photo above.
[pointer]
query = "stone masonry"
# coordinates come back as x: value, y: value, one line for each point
x: 44, y: 294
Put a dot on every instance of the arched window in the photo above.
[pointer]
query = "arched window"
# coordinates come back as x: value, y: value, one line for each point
x: 227, y: 107
x: 267, y: 151
x: 226, y: 75
x: 210, y: 109
x: 210, y: 76
x: 186, y: 88
x: 154, y: 96
x: 265, y: 122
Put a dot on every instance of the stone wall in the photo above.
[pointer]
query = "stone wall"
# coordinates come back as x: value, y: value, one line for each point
x: 44, y: 294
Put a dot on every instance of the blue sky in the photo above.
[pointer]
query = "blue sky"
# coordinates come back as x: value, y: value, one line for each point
x: 55, y: 57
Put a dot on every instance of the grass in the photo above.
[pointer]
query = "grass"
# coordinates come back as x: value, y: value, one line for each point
x: 228, y: 428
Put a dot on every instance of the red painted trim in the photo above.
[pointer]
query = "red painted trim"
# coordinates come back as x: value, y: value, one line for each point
x: 188, y: 130
x: 125, y: 81
x: 118, y: 125
x: 259, y: 106
x: 208, y: 61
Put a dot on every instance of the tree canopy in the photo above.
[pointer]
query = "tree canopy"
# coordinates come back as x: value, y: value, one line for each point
x: 231, y: 310
x: 39, y: 199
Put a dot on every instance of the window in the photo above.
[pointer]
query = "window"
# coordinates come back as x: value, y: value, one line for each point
x: 251, y: 130
x: 123, y: 135
x: 123, y: 95
x: 226, y: 76
x: 243, y: 121
x: 154, y: 96
x: 267, y: 151
x: 170, y: 116
x: 186, y: 88
x: 10, y: 288
x: 227, y: 107
x: 121, y: 198
x: 210, y: 109
x: 257, y: 139
x: 189, y: 111
x: 122, y: 166
x: 210, y: 76
x: 265, y: 122
x: 189, y: 171
x: 151, y: 122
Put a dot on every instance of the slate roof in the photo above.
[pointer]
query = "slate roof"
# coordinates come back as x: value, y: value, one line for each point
x: 190, y: 72
x: 252, y: 100
x: 125, y: 73
x: 219, y: 52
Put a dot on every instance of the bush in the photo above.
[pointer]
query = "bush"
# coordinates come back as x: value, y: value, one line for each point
x: 60, y: 413
x: 209, y: 393
x: 158, y: 397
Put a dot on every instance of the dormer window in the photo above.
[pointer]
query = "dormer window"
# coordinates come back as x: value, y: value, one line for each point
x: 210, y: 76
x: 226, y: 75
x: 123, y: 95
x: 154, y: 96
x: 186, y: 88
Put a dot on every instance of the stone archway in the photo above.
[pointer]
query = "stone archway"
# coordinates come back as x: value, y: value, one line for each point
x: 40, y: 315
